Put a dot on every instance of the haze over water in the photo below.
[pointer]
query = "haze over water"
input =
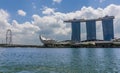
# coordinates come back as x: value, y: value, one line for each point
x: 59, y: 60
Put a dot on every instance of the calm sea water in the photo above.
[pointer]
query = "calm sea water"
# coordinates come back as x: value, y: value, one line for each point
x: 60, y: 60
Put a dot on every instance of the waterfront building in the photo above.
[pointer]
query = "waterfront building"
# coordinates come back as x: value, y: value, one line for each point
x: 91, y: 29
x: 108, y: 29
x: 75, y: 31
x: 107, y: 25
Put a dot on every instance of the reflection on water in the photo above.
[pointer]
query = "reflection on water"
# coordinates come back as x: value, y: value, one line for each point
x: 62, y: 60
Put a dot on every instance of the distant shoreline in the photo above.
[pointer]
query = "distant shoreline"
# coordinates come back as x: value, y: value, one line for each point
x: 63, y: 46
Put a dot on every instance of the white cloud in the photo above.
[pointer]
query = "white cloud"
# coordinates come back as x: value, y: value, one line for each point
x: 48, y: 11
x: 57, y: 1
x: 53, y: 26
x: 3, y: 14
x: 21, y: 12
x: 25, y: 33
x: 34, y: 6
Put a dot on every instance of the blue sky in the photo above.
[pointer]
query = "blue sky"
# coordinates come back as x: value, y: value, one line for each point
x: 36, y: 6
x: 30, y: 18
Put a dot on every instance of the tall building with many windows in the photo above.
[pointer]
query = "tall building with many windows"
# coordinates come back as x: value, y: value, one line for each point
x: 107, y: 25
x: 75, y: 31
x: 108, y: 29
x: 91, y: 29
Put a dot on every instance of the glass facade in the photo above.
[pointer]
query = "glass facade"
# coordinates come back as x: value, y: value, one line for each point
x: 107, y: 25
x: 91, y: 29
x: 108, y: 31
x: 75, y: 31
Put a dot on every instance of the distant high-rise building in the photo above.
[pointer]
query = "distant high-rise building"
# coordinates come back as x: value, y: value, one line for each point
x: 107, y: 24
x: 75, y: 31
x: 108, y: 31
x: 91, y: 29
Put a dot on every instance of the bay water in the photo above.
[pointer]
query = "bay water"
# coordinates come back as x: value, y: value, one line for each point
x: 59, y: 60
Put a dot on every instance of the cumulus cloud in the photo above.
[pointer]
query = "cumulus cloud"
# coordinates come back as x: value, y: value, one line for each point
x: 4, y: 18
x: 48, y: 11
x: 57, y: 1
x: 21, y: 13
x: 25, y: 33
x: 52, y: 25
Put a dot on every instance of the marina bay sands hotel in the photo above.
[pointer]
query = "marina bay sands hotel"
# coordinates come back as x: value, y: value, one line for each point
x: 107, y: 26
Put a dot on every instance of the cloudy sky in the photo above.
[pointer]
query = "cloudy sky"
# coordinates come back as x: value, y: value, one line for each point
x: 30, y: 18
